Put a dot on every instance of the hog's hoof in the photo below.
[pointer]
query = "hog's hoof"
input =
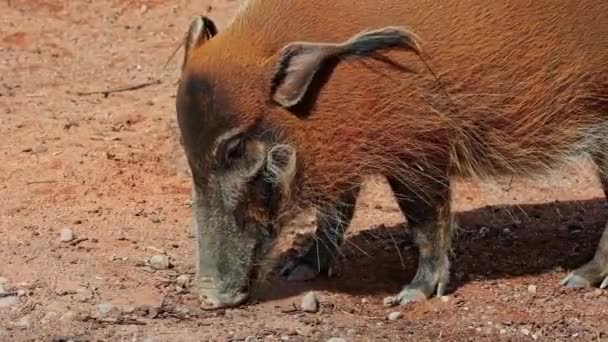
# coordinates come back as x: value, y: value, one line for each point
x: 588, y: 275
x: 408, y: 295
x: 575, y: 281
x: 297, y: 270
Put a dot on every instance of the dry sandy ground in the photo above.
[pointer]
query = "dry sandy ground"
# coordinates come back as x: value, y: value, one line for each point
x: 105, y: 167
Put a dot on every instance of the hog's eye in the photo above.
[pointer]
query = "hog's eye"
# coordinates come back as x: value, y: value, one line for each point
x: 232, y: 149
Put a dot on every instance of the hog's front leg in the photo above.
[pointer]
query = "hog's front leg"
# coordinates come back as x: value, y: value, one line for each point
x: 428, y: 215
x: 319, y: 257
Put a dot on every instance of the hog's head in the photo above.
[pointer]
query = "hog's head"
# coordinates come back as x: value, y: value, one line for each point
x: 244, y: 167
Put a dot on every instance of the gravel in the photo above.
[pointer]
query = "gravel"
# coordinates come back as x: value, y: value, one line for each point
x: 23, y: 322
x: 310, y: 303
x: 8, y: 301
x: 66, y: 235
x: 183, y: 280
x: 160, y: 262
x: 393, y: 316
x: 104, y: 308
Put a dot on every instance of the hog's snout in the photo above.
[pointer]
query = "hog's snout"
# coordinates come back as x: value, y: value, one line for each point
x: 214, y: 299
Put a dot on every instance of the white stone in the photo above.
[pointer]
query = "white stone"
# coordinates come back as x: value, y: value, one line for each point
x: 66, y: 235
x: 310, y: 303
x: 160, y: 262
x: 104, y: 308
x: 393, y: 316
x: 183, y: 280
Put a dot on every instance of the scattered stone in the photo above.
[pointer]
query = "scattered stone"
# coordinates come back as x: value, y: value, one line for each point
x: 532, y: 290
x: 525, y: 331
x: 40, y: 148
x: 310, y: 303
x: 104, y: 308
x: 534, y: 337
x: 393, y: 316
x: 23, y: 322
x: 160, y: 262
x: 3, y: 281
x: 68, y: 316
x: 445, y: 299
x: 251, y: 339
x: 155, y: 219
x: 182, y: 310
x: 336, y: 339
x: 183, y: 280
x: 83, y: 294
x: 363, y: 300
x: 21, y: 293
x: 8, y: 301
x: 66, y: 235
x: 503, y: 331
x: 284, y: 338
x: 50, y: 316
x: 128, y: 309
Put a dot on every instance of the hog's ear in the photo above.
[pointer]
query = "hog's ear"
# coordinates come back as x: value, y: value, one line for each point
x: 298, y: 62
x: 201, y: 30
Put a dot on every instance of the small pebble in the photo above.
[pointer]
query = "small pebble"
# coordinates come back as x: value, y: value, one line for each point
x: 284, y: 338
x: 183, y: 280
x: 104, y: 308
x: 393, y: 316
x: 66, y: 235
x: 21, y: 293
x: 532, y: 289
x: 68, y: 316
x: 23, y: 322
x: 503, y: 331
x: 8, y: 301
x: 336, y: 339
x: 40, y: 148
x: 363, y: 300
x: 445, y: 299
x: 160, y: 262
x: 525, y: 331
x: 310, y: 303
x: 251, y: 339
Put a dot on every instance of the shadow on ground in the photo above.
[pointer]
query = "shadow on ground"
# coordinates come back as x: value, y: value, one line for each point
x: 492, y: 243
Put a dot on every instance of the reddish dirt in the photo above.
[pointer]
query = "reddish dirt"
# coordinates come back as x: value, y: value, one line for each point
x: 106, y: 167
